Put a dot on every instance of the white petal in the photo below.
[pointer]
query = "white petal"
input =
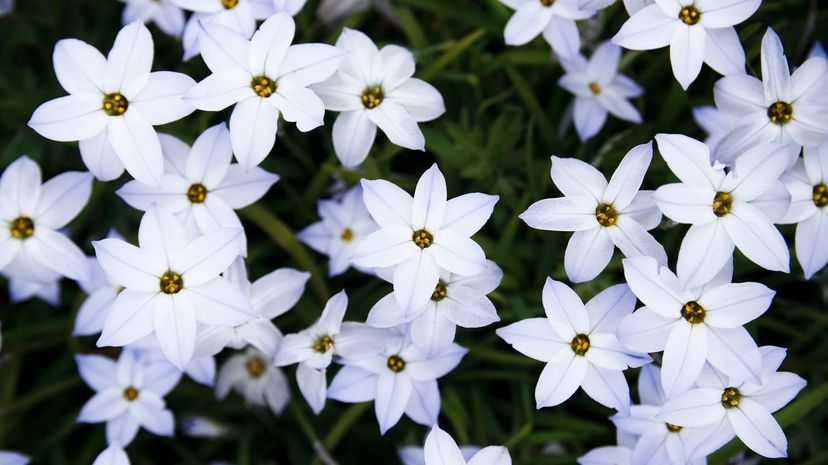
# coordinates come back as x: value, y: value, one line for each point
x: 129, y: 61
x: 240, y: 188
x: 535, y: 338
x: 607, y: 387
x: 589, y: 117
x: 528, y: 22
x: 718, y: 13
x: 393, y: 393
x: 174, y: 320
x: 220, y: 90
x: 389, y: 205
x: 135, y: 141
x: 576, y: 178
x: 70, y: 118
x: 811, y: 250
x: 647, y: 29
x: 62, y: 198
x: 130, y: 318
x: 633, y: 240
x: 572, y: 213
x: 655, y: 286
x: 705, y: 249
x: 560, y: 378
x: 96, y: 371
x: 122, y: 430
x: 457, y: 254
x: 696, y: 407
x: 386, y: 247
x: 57, y: 253
x: 779, y: 390
x: 420, y: 99
x: 253, y: 125
x: 307, y: 64
x: 688, y: 159
x: 112, y: 455
x: 756, y: 237
x: 270, y: 44
x: 609, y: 307
x: 432, y: 332
x: 415, y: 280
x: 723, y: 51
x: 353, y: 136
x: 312, y: 385
x: 587, y: 254
x: 398, y: 125
x: 466, y: 214
x: 562, y: 35
x: 100, y: 158
x: 429, y: 207
x: 492, y: 455
x: 757, y: 428
x: 352, y: 384
x: 79, y: 66
x: 223, y: 48
x: 627, y: 178
x: 776, y: 77
x: 278, y: 291
x: 103, y: 406
x: 206, y: 257
x: 756, y: 170
x: 733, y: 305
x: 684, y: 356
x: 440, y: 449
x: 161, y: 102
x: 299, y: 105
x: 218, y: 303
x: 424, y: 404
x: 733, y: 351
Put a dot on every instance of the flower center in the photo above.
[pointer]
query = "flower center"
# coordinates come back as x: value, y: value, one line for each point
x: 547, y: 2
x: 396, y: 364
x: 372, y: 97
x: 115, y: 104
x: 130, y: 393
x: 171, y: 283
x: 594, y: 88
x: 440, y: 291
x: 673, y: 428
x: 693, y: 312
x: 323, y: 344
x: 255, y: 367
x: 229, y: 4
x: 422, y: 238
x: 263, y: 86
x: 347, y: 235
x: 689, y: 15
x: 722, y: 204
x: 730, y: 397
x: 820, y: 195
x: 22, y: 228
x: 580, y: 344
x: 606, y: 214
x: 780, y: 113
x: 197, y: 193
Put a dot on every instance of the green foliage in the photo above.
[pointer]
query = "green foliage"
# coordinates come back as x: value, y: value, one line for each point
x: 506, y: 116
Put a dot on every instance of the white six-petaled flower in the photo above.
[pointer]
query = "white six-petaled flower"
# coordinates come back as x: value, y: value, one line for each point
x: 375, y: 88
x: 113, y: 104
x: 555, y: 19
x: 264, y: 77
x: 164, y: 13
x: 238, y: 15
x: 254, y: 377
x: 602, y: 215
x: 422, y: 235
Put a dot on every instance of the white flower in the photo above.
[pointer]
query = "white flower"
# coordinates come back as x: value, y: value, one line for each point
x: 440, y: 449
x: 314, y: 348
x: 599, y: 89
x: 264, y: 77
x: 726, y: 209
x: 12, y: 458
x: 659, y: 443
x: 201, y: 369
x: 345, y: 222
x: 129, y: 394
x: 101, y: 291
x: 578, y: 344
x: 46, y: 288
x: 807, y: 182
x: 32, y: 212
x: 782, y: 108
x: 724, y: 405
x: 254, y: 378
x: 293, y: 7
x: 555, y: 19
x: 200, y: 186
x: 374, y: 87
x: 399, y: 379
x: 422, y: 235
x: 696, y: 30
x: 113, y: 104
x: 238, y: 15
x: 170, y: 284
x: 456, y: 301
x: 270, y: 296
x: 164, y: 13
x: 112, y: 455
x: 603, y: 215
x: 414, y: 455
x: 692, y: 325
x: 607, y: 455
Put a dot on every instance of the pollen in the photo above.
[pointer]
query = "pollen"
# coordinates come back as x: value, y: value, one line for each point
x: 606, y: 215
x: 780, y: 113
x: 673, y: 428
x: 693, y: 312
x: 130, y: 393
x: 22, y: 228
x: 731, y: 397
x: 197, y: 193
x: 396, y: 364
x: 689, y: 15
x: 255, y: 367
x: 115, y: 104
x: 594, y: 88
x: 820, y: 195
x: 263, y: 86
x: 580, y: 344
x: 347, y: 235
x: 547, y: 2
x: 323, y: 344
x: 229, y: 4
x: 171, y: 283
x: 722, y: 203
x: 422, y: 238
x: 372, y: 97
x: 440, y: 291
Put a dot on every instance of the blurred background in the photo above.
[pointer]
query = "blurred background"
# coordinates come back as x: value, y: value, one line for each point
x: 506, y: 115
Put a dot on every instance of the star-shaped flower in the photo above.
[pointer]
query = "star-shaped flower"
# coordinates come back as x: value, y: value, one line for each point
x: 113, y: 104
x: 253, y: 377
x: 238, y: 15
x: 692, y: 325
x: 399, y: 379
x: 164, y: 13
x: 723, y: 405
x: 786, y: 108
x: 171, y: 284
x: 440, y: 449
x: 726, y: 209
x: 375, y: 88
x: 129, y: 395
x: 422, y: 235
x: 602, y: 215
x: 578, y: 344
x: 32, y: 213
x: 555, y: 19
x: 47, y: 288
x: 599, y: 89
x: 344, y: 223
x: 697, y: 31
x: 264, y: 77
x: 200, y: 186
